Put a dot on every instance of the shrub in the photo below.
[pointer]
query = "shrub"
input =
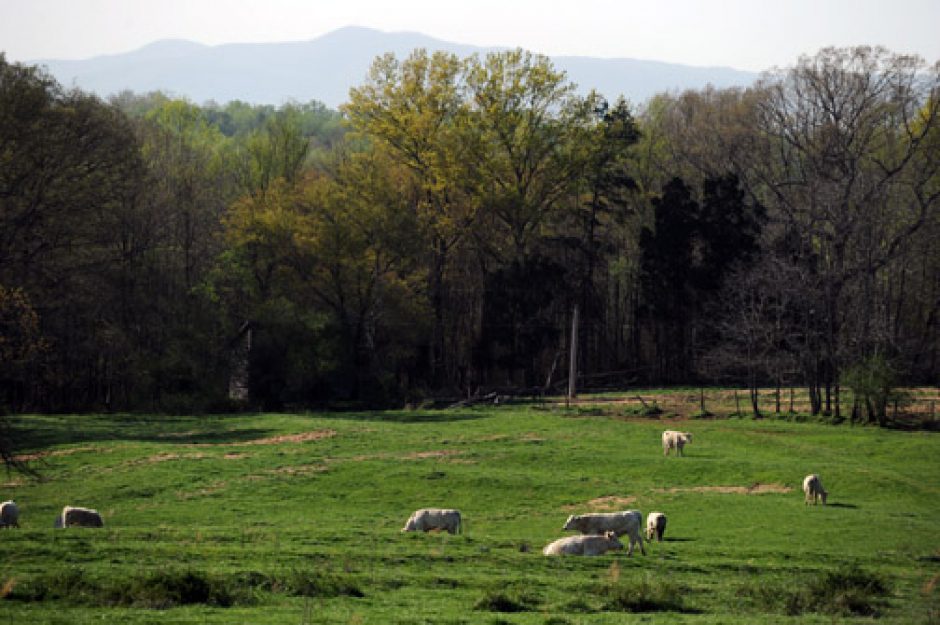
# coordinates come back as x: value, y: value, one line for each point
x: 847, y: 591
x: 69, y: 583
x: 506, y: 600
x: 318, y: 584
x: 644, y: 596
x: 166, y: 589
x: 873, y: 381
x: 161, y: 589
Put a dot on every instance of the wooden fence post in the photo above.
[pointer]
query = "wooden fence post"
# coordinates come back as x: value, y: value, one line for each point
x: 573, y: 364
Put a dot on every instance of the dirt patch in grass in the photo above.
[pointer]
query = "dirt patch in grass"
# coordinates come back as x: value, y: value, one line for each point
x: 167, y: 456
x: 754, y: 489
x: 211, y: 489
x: 931, y: 584
x: 187, y: 434
x: 440, y: 453
x: 302, y: 469
x: 532, y: 437
x: 39, y: 455
x: 303, y: 437
x: 609, y: 503
x: 235, y: 455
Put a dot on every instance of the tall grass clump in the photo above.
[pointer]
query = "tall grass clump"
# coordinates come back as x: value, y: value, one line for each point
x: 643, y: 596
x: 846, y: 591
x: 311, y: 583
x: 156, y: 590
x: 507, y: 599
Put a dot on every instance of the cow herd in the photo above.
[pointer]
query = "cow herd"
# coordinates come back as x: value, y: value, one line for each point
x: 69, y: 517
x: 599, y: 532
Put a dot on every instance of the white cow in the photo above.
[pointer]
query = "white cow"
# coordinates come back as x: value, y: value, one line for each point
x: 78, y: 517
x: 675, y: 440
x: 655, y: 526
x: 813, y: 489
x: 9, y: 514
x: 428, y: 519
x: 584, y: 545
x: 626, y: 523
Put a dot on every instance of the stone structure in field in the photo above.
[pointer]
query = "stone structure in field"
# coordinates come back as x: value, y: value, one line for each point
x: 239, y: 352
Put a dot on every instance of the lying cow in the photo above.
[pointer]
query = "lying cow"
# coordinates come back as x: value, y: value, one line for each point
x: 585, y: 545
x: 78, y: 517
x: 655, y: 526
x: 626, y: 523
x: 428, y: 519
x: 813, y: 489
x: 9, y: 514
x: 675, y: 440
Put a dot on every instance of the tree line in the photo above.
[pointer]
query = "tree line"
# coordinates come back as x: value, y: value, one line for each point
x: 435, y: 234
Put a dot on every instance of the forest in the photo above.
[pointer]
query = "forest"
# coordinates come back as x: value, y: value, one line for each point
x: 435, y: 235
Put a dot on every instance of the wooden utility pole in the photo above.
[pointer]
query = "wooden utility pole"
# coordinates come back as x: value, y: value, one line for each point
x: 573, y: 349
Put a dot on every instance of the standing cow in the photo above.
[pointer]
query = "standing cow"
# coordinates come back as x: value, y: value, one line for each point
x: 813, y: 489
x: 675, y: 440
x: 626, y: 523
x: 655, y: 526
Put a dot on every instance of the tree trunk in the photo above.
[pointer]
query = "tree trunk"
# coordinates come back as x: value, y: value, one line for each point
x: 573, y: 364
x: 837, y: 391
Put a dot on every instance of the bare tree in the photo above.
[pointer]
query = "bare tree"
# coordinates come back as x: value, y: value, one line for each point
x: 846, y: 166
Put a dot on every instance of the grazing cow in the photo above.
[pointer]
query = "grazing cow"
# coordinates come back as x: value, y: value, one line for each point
x: 655, y: 526
x: 78, y: 517
x: 584, y: 545
x: 625, y: 523
x: 675, y: 440
x: 428, y: 519
x: 813, y: 489
x: 9, y: 514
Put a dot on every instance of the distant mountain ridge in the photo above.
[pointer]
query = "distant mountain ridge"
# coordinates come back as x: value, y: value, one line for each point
x: 326, y: 67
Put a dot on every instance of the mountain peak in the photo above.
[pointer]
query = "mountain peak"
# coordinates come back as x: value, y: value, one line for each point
x: 326, y: 67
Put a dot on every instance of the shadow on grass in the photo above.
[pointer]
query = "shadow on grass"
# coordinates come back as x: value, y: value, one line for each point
x: 34, y: 432
x: 678, y: 540
x: 850, y: 506
x: 406, y: 416
x: 38, y: 432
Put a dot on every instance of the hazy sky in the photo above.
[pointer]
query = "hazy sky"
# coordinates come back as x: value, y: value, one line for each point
x: 746, y: 34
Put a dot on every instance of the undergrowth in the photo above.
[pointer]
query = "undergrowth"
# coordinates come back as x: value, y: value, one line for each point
x: 643, y: 596
x: 171, y: 588
x: 846, y: 591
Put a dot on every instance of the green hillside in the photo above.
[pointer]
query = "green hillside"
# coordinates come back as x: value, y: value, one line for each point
x: 276, y: 518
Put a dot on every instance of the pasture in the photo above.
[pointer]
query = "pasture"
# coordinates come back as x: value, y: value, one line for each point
x: 278, y: 518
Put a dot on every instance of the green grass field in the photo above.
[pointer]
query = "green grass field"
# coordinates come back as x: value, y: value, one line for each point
x: 277, y: 518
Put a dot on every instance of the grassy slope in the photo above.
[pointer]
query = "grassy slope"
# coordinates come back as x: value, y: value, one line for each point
x: 172, y: 501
